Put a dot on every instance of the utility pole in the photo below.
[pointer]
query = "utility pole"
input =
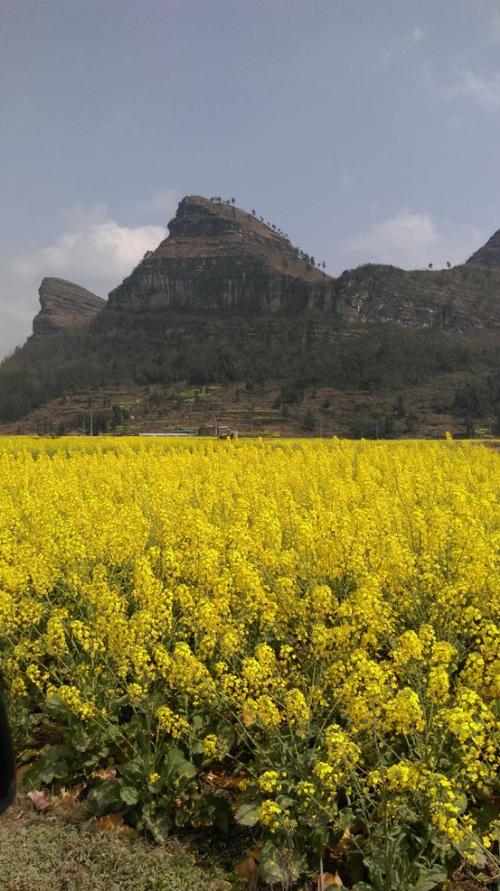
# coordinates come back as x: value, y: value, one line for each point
x: 91, y: 423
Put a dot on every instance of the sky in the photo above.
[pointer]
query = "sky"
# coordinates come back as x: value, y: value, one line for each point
x: 368, y: 130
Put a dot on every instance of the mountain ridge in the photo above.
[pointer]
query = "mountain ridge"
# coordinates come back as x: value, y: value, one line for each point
x: 488, y: 254
x: 64, y: 305
x: 221, y: 257
x: 226, y: 299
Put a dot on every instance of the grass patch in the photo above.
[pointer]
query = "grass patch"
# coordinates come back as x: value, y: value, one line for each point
x: 55, y: 852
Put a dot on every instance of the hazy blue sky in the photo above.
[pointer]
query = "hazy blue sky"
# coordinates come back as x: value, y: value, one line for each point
x: 366, y: 129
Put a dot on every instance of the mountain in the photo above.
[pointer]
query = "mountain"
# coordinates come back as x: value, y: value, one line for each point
x: 220, y: 257
x: 461, y: 299
x: 227, y: 304
x: 488, y: 254
x: 64, y: 306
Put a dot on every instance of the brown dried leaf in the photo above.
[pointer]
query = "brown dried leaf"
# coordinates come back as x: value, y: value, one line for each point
x: 256, y: 852
x: 246, y: 869
x: 221, y: 781
x: 21, y: 772
x: 106, y: 773
x: 248, y: 718
x: 71, y: 795
x: 67, y: 802
x: 343, y: 846
x: 109, y: 823
x: 112, y: 823
x: 329, y: 881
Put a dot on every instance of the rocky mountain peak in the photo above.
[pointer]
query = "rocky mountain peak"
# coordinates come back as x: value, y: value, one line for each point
x: 211, y: 227
x: 488, y: 254
x: 64, y: 305
x: 214, y: 219
x: 218, y: 256
x: 201, y: 217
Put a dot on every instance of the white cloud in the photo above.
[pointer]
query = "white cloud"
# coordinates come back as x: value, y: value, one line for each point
x: 410, y: 240
x: 94, y: 251
x: 417, y: 35
x: 483, y: 89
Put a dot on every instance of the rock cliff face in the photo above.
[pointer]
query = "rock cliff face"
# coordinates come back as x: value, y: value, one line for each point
x: 64, y: 305
x: 457, y: 299
x: 219, y: 257
x: 488, y: 254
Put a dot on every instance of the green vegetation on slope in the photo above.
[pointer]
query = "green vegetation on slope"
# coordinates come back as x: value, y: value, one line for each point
x: 203, y: 348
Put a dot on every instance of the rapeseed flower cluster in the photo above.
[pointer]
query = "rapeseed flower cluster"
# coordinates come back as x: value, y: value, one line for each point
x: 311, y: 625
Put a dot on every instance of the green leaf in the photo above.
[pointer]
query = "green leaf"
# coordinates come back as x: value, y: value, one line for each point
x: 197, y: 724
x: 226, y: 732
x: 181, y: 819
x: 280, y: 864
x: 248, y: 814
x: 271, y: 865
x: 479, y: 855
x: 129, y: 795
x: 159, y: 825
x: 284, y: 801
x: 345, y: 817
x: 52, y: 765
x: 81, y: 741
x: 133, y: 771
x: 429, y: 878
x: 106, y: 796
x: 176, y: 764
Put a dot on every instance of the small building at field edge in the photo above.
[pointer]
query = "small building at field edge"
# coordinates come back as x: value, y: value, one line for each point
x: 220, y: 431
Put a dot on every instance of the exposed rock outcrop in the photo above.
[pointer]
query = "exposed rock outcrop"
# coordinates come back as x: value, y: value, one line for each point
x: 64, y: 305
x: 457, y: 299
x: 220, y: 257
x: 488, y: 254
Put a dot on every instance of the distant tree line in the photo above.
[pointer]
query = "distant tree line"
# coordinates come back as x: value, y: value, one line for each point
x: 208, y: 348
x: 308, y: 259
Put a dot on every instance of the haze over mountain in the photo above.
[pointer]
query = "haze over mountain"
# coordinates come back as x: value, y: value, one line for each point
x: 226, y: 300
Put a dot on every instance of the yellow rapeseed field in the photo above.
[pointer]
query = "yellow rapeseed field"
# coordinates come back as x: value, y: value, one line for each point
x: 298, y: 636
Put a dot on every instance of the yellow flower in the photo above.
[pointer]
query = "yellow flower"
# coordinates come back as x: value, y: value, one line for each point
x: 333, y: 605
x: 269, y: 781
x: 171, y: 723
x: 270, y: 814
